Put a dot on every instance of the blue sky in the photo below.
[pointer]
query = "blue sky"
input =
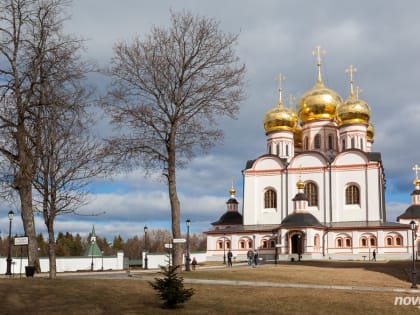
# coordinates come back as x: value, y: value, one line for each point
x: 380, y: 38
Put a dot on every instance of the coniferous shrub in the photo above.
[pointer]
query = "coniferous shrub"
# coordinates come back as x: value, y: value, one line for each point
x: 171, y: 287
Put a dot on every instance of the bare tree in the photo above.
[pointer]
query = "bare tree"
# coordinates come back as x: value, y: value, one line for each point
x: 69, y: 161
x: 34, y: 55
x: 167, y: 91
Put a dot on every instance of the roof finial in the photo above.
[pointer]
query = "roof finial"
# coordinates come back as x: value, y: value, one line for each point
x: 351, y: 70
x: 416, y: 181
x: 318, y: 53
x: 232, y: 190
x: 280, y: 78
x: 416, y: 169
x: 358, y: 91
x: 291, y: 98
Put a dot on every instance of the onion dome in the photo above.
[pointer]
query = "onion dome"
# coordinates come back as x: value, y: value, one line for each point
x: 353, y: 110
x: 319, y: 102
x: 280, y: 117
x: 370, y: 132
x: 297, y: 137
x: 300, y: 185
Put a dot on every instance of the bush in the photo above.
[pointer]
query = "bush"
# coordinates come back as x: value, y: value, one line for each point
x: 171, y: 287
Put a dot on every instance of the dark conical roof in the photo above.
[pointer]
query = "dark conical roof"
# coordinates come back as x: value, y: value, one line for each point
x: 229, y: 218
x: 412, y: 212
x: 300, y: 219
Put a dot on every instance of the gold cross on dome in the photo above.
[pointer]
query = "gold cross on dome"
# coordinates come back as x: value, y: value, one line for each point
x: 351, y: 70
x: 291, y: 99
x: 280, y: 78
x: 358, y: 91
x: 318, y: 53
x: 416, y: 169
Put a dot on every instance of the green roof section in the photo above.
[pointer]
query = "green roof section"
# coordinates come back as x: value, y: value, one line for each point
x: 93, y: 249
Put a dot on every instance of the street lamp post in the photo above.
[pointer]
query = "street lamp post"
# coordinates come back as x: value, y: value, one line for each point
x: 187, y: 257
x: 9, y: 254
x: 102, y: 252
x: 92, y: 242
x: 224, y: 249
x: 413, y: 271
x: 275, y: 248
x: 145, y: 247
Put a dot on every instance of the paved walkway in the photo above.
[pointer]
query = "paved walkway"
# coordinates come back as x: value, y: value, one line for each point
x: 285, y: 285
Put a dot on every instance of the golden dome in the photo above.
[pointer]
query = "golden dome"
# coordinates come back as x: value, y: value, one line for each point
x: 319, y: 102
x: 370, y: 132
x: 232, y: 191
x: 416, y: 182
x: 297, y: 137
x: 280, y: 118
x: 300, y: 184
x: 353, y: 111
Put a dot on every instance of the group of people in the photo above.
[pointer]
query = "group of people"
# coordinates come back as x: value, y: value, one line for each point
x: 252, y: 258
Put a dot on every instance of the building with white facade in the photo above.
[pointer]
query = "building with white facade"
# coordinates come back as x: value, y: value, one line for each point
x: 318, y: 192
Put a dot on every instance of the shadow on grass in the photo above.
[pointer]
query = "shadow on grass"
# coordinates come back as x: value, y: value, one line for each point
x: 398, y: 269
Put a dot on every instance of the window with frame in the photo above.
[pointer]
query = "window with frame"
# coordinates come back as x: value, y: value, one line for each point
x: 398, y: 241
x: 363, y: 242
x: 264, y: 244
x: 270, y: 199
x: 311, y: 192
x: 389, y: 241
x: 242, y: 244
x: 352, y: 143
x: 220, y: 244
x: 330, y: 142
x: 317, y: 141
x: 348, y: 242
x: 249, y: 244
x: 339, y: 242
x: 343, y: 144
x: 352, y: 195
x: 372, y: 241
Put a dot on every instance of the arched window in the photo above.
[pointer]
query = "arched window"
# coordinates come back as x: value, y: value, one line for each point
x: 330, y: 142
x: 317, y: 141
x: 398, y: 241
x: 278, y: 149
x: 242, y: 244
x: 361, y: 143
x: 269, y: 149
x: 389, y: 241
x: 311, y: 192
x: 343, y: 144
x: 287, y: 150
x: 348, y: 242
x: 339, y: 242
x: 306, y: 143
x: 272, y: 243
x: 219, y: 244
x: 270, y: 199
x: 352, y: 195
x: 363, y: 242
x: 227, y: 244
x: 316, y: 241
x: 352, y: 142
x: 372, y: 241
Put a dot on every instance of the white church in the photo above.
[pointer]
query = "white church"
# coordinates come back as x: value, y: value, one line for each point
x: 319, y: 190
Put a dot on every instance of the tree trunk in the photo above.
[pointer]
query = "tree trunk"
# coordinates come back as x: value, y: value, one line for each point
x: 25, y: 192
x: 51, y: 251
x: 175, y: 205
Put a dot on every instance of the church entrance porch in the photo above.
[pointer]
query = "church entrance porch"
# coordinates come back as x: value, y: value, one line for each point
x: 297, y: 244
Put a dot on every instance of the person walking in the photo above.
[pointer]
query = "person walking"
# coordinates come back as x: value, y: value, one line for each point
x: 255, y: 259
x: 194, y: 263
x: 250, y: 256
x: 229, y: 255
x: 374, y: 255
